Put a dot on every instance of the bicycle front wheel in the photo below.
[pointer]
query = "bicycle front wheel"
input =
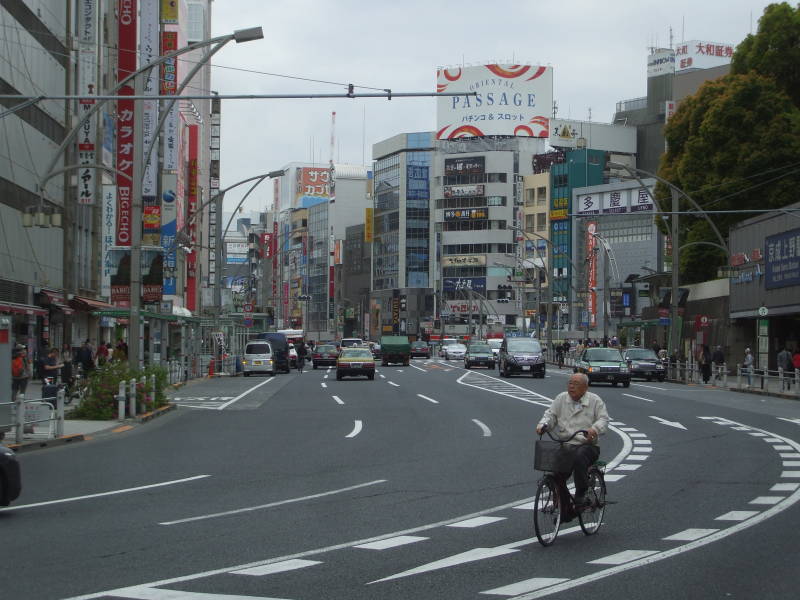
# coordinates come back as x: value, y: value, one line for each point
x: 547, y: 511
x: 592, y: 517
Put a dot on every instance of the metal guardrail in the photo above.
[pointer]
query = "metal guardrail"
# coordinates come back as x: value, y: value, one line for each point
x: 28, y: 415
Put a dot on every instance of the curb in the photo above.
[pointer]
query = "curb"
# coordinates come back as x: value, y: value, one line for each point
x: 38, y: 444
x: 155, y: 414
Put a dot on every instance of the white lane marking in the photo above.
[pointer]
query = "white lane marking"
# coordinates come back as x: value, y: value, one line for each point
x: 528, y: 585
x: 784, y: 487
x: 418, y: 368
x: 101, y: 494
x: 782, y: 447
x: 393, y: 383
x: 741, y: 428
x: 767, y: 500
x: 790, y: 474
x: 626, y: 467
x: 690, y: 535
x: 323, y: 384
x: 243, y: 394
x: 148, y: 593
x: 642, y: 442
x: 273, y: 504
x: 608, y: 477
x: 477, y: 522
x: 789, y: 454
x: 279, y: 567
x: 623, y: 557
x: 757, y: 434
x: 486, y: 431
x: 400, y: 540
x: 628, y: 429
x: 428, y: 399
x: 638, y: 435
x: 674, y: 424
x: 356, y: 429
x: 618, y: 423
x: 326, y: 376
x: 382, y: 376
x: 527, y: 506
x: 795, y: 421
x: 338, y: 400
x: 316, y: 551
x: 642, y: 449
x: 791, y: 463
x: 637, y: 457
x: 737, y: 515
x: 652, y: 387
x: 638, y: 397
x: 772, y: 440
x: 450, y: 561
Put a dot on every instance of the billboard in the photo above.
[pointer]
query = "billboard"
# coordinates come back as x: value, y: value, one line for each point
x: 565, y: 133
x: 235, y: 253
x: 107, y: 242
x: 782, y: 260
x: 696, y: 54
x: 661, y: 62
x: 313, y: 181
x: 471, y: 165
x: 476, y: 284
x: 469, y: 260
x: 464, y: 191
x: 417, y: 183
x: 126, y: 65
x: 510, y: 100
x: 87, y: 85
x: 169, y: 228
x: 466, y: 214
x: 369, y: 224
x: 614, y: 201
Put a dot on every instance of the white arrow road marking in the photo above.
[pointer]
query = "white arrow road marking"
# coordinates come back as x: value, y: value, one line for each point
x: 394, y: 384
x: 486, y: 431
x: 670, y: 423
x: 795, y: 421
x: 419, y: 369
x: 243, y: 394
x: 638, y: 397
x: 528, y: 585
x: 394, y: 542
x: 450, y: 561
x: 125, y: 491
x: 356, y: 429
x: 279, y: 567
x: 428, y: 399
x: 273, y: 504
x: 338, y: 400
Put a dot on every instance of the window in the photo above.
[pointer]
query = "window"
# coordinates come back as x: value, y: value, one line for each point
x: 495, y: 200
x: 541, y: 195
x: 529, y: 197
x: 541, y: 222
x: 529, y: 223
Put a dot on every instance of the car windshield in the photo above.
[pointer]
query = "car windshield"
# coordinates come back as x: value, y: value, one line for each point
x: 419, y: 345
x: 494, y: 343
x: 448, y: 342
x: 356, y: 353
x: 478, y: 348
x: 603, y: 354
x: 326, y: 349
x: 257, y: 349
x: 351, y: 342
x: 457, y: 347
x: 641, y: 354
x: 522, y: 345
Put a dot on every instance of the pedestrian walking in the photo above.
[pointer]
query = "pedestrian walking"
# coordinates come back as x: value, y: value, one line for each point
x: 101, y: 355
x: 718, y: 358
x: 85, y: 358
x: 20, y: 372
x: 785, y: 362
x: 747, y: 366
x: 704, y: 362
x: 302, y: 352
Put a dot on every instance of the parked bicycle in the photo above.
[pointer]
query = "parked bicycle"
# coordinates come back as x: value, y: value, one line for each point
x: 554, y: 503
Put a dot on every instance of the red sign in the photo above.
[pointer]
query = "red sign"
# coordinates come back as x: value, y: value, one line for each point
x: 701, y: 322
x: 126, y: 33
x: 169, y: 68
x: 591, y: 242
x: 248, y: 308
x: 313, y: 181
x: 191, y: 258
x: 266, y: 245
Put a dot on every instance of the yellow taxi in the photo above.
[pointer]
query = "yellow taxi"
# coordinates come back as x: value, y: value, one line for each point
x: 355, y: 361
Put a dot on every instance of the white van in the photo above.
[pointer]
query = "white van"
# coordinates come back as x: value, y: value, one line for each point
x: 258, y: 358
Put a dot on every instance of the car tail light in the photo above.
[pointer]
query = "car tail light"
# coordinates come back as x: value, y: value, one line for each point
x: 315, y: 355
x: 369, y: 364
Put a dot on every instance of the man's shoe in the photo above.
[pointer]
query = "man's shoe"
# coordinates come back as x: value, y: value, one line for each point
x: 582, y: 502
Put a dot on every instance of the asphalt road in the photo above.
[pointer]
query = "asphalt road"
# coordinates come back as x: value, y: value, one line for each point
x: 414, y: 485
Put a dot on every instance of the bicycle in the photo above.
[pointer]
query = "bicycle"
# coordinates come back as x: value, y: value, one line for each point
x: 549, y: 507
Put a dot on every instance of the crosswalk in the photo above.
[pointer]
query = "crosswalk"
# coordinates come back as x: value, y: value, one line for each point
x: 207, y: 402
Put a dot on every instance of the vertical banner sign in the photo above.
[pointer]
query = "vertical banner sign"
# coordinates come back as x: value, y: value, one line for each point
x: 368, y: 224
x: 169, y: 12
x: 169, y: 216
x: 109, y: 222
x: 276, y: 195
x: 192, y: 195
x: 169, y: 86
x: 148, y: 49
x: 591, y: 242
x: 87, y: 86
x: 274, y: 261
x: 126, y: 32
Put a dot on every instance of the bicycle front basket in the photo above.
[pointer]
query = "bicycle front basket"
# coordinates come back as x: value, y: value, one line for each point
x: 553, y: 456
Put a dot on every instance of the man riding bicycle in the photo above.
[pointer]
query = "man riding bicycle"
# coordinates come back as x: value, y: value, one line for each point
x: 575, y: 410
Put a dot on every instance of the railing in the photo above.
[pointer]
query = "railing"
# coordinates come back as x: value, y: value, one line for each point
x: 36, y: 418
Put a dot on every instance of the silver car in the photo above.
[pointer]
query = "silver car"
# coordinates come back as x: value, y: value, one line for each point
x: 455, y: 351
x: 258, y: 358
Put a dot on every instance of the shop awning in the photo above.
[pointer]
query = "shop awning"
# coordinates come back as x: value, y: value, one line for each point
x: 57, y: 301
x: 122, y: 313
x: 89, y: 304
x: 22, y: 309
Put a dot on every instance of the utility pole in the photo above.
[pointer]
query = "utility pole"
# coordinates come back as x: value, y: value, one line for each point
x: 135, y: 334
x: 674, y: 338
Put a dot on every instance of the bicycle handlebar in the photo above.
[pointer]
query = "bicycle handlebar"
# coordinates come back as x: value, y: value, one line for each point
x: 546, y: 429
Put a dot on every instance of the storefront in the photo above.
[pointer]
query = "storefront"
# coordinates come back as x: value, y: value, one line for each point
x: 765, y: 286
x: 54, y: 323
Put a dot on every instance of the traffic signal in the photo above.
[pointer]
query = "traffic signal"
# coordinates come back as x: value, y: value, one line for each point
x: 504, y: 293
x: 403, y: 302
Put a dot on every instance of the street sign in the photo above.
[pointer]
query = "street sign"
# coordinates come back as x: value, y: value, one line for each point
x: 247, y: 322
x: 763, y: 311
x: 248, y: 308
x: 664, y: 321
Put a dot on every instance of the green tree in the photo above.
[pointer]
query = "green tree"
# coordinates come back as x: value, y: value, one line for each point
x: 735, y: 144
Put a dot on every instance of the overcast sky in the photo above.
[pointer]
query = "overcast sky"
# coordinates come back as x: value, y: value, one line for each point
x: 598, y: 51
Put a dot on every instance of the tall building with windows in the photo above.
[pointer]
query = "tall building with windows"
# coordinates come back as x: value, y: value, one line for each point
x: 402, y: 294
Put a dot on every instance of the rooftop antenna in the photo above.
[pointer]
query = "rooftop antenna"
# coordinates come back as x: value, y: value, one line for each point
x: 670, y: 37
x: 683, y: 28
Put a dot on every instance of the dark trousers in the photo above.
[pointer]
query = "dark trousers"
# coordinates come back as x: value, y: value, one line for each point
x: 585, y: 456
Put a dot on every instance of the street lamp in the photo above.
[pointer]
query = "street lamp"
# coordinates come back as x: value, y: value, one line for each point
x: 675, y: 193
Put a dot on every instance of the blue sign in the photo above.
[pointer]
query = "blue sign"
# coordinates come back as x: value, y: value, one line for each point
x: 417, y: 183
x: 782, y: 260
x: 664, y: 321
x: 476, y: 284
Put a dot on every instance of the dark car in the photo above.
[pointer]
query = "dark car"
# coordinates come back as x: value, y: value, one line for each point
x: 643, y: 362
x: 355, y: 361
x: 375, y: 347
x: 521, y: 355
x: 280, y: 349
x: 479, y: 355
x: 10, y: 477
x: 604, y: 364
x: 420, y: 349
x: 324, y: 354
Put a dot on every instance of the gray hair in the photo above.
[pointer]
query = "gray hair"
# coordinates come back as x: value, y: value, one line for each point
x: 583, y: 377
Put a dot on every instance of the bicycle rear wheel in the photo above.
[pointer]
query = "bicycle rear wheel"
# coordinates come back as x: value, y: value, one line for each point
x: 592, y: 517
x: 547, y: 511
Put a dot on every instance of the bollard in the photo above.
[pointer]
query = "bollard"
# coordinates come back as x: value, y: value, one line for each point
x: 686, y: 372
x: 143, y: 384
x: 19, y: 424
x: 60, y: 412
x: 121, y: 401
x: 780, y: 378
x: 132, y: 397
x: 153, y: 390
x: 725, y: 375
x: 739, y: 376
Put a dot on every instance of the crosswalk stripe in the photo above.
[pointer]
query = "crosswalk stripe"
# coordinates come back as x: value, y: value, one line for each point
x: 521, y: 587
x: 400, y: 540
x: 622, y: 557
x: 477, y: 522
x: 278, y: 567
